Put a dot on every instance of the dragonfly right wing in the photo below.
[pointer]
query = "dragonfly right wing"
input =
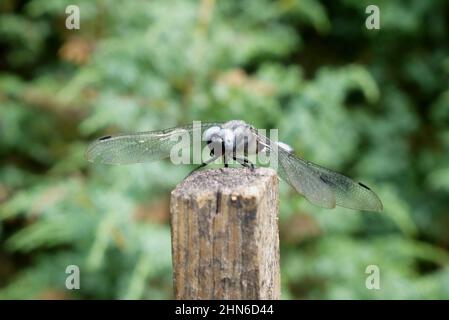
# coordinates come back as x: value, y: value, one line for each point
x: 348, y: 193
x: 297, y: 173
x: 140, y: 147
x: 321, y: 186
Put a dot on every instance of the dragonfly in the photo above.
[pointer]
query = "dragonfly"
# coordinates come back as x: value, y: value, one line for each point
x: 237, y: 140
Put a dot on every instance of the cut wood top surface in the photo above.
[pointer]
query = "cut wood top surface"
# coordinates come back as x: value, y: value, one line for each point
x: 243, y: 181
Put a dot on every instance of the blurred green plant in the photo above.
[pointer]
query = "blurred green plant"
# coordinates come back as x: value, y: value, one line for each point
x: 372, y: 104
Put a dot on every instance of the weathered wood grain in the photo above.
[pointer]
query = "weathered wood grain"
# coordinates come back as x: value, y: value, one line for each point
x: 225, y: 240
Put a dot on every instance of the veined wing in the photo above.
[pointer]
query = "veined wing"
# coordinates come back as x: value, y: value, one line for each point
x: 140, y: 147
x: 348, y: 193
x: 322, y: 186
x: 298, y: 174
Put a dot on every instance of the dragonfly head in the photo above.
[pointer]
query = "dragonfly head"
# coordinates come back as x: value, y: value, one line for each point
x: 234, y: 137
x: 215, y: 138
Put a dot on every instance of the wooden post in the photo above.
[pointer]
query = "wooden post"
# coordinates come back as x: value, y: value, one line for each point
x: 225, y: 240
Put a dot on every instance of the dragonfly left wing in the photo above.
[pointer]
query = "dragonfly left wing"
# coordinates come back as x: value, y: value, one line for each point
x: 139, y: 147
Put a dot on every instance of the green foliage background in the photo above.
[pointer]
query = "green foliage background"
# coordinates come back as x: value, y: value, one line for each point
x: 373, y: 104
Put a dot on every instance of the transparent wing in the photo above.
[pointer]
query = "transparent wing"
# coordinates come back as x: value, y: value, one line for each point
x: 140, y: 147
x: 348, y: 193
x: 322, y: 186
x: 298, y: 174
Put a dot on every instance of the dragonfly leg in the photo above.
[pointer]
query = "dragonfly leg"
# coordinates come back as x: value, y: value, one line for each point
x: 244, y: 162
x: 225, y: 160
x: 205, y: 163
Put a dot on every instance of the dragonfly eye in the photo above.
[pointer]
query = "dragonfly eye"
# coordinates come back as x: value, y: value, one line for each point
x: 210, y: 133
x: 216, y: 145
